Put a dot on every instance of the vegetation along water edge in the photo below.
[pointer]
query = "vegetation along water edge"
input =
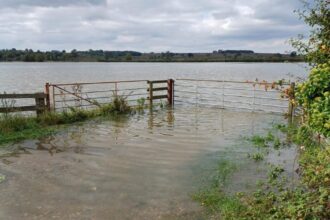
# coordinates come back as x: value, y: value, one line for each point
x: 276, y: 197
x: 16, y: 127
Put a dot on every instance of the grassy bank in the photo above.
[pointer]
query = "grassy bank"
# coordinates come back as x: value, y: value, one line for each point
x: 276, y: 197
x: 17, y: 127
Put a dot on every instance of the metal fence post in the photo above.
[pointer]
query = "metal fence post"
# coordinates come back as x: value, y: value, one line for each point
x: 54, y: 101
x: 254, y: 98
x: 223, y: 93
x: 47, y: 96
x: 116, y: 89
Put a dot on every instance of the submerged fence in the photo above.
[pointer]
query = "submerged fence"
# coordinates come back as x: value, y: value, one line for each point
x: 248, y: 95
x: 94, y: 94
x: 273, y: 97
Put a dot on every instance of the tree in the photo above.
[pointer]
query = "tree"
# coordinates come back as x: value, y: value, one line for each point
x: 129, y: 57
x: 293, y: 54
x: 74, y: 53
x: 314, y: 93
x: 316, y: 47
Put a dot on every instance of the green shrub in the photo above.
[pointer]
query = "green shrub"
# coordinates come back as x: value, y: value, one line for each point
x: 314, y: 96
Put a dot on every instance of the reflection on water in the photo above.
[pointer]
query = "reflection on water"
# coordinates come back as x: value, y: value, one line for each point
x: 141, y: 167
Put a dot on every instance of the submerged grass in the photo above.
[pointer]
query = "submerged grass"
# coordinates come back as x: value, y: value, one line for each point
x: 17, y: 127
x: 259, y: 141
x: 276, y: 198
x: 214, y: 198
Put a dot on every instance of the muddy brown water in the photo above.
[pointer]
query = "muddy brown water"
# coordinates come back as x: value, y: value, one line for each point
x: 146, y: 166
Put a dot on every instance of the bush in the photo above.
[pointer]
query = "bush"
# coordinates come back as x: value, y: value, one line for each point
x: 314, y: 96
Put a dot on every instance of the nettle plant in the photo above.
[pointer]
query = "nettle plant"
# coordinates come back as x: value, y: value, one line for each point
x: 314, y: 96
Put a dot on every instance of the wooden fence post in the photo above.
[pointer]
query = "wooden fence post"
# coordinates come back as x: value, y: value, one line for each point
x: 40, y: 105
x: 291, y: 102
x: 150, y: 93
x: 170, y: 91
x: 47, y: 96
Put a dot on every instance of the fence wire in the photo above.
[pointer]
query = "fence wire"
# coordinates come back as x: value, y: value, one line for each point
x: 251, y: 96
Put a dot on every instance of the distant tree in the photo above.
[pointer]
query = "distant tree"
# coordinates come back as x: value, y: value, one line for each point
x: 74, y: 53
x: 293, y: 54
x: 39, y: 57
x: 128, y: 57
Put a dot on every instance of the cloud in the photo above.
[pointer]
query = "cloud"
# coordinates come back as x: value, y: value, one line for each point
x: 48, y: 3
x: 149, y: 25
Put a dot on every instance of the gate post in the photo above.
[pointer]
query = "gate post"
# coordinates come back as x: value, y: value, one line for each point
x: 150, y: 93
x: 40, y: 103
x: 170, y: 92
x: 47, y: 96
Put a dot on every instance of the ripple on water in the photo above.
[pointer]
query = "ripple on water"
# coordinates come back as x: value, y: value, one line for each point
x: 142, y: 167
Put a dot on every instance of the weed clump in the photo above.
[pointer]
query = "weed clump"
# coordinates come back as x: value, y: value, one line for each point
x: 259, y: 141
x: 256, y: 156
x: 118, y: 105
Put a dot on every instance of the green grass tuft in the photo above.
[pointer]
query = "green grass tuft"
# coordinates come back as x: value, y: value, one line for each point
x: 259, y: 141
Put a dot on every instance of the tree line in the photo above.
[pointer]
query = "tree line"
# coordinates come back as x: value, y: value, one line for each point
x: 29, y: 55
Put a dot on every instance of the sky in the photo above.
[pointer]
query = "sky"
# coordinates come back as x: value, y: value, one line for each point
x: 150, y: 25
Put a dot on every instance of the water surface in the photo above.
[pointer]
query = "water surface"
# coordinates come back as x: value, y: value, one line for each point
x: 145, y: 166
x: 31, y: 77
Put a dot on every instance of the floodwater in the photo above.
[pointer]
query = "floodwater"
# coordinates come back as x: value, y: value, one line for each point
x: 31, y: 77
x: 146, y: 166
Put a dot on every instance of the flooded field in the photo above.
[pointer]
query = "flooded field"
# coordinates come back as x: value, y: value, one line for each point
x: 33, y: 76
x: 146, y: 166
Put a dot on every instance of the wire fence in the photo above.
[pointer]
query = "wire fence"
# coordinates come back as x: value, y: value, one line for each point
x: 251, y: 96
x: 244, y: 95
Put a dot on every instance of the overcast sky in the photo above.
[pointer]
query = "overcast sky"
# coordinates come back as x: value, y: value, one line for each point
x: 149, y: 25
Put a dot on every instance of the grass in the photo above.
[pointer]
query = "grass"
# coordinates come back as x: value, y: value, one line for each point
x: 2, y: 178
x: 256, y: 156
x: 259, y: 141
x: 223, y: 172
x: 17, y: 127
x: 213, y: 197
x: 218, y: 203
x: 277, y: 198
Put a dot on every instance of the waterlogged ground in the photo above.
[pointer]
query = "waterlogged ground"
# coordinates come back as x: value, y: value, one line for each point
x: 146, y: 166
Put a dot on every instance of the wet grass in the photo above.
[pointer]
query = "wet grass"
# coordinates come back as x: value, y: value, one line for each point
x: 218, y: 203
x: 259, y: 141
x: 17, y: 127
x: 213, y: 197
x: 276, y: 197
x: 256, y: 156
x: 2, y: 178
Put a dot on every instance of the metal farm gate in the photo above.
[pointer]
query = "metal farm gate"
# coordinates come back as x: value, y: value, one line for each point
x: 253, y: 96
